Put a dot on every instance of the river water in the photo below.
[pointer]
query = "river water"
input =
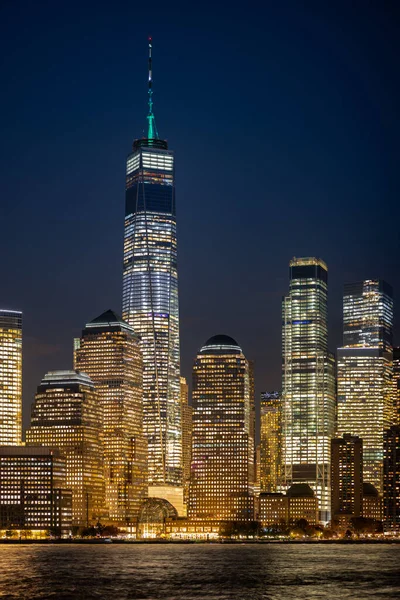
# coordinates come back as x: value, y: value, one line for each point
x: 203, y: 571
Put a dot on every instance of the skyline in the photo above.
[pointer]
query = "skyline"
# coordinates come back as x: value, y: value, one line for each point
x: 48, y: 253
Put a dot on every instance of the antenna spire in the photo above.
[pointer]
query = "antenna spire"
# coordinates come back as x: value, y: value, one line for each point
x: 152, y: 133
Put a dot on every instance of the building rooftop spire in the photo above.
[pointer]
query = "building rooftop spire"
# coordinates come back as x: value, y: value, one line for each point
x: 152, y: 133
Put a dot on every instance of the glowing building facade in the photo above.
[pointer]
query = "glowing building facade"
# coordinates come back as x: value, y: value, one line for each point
x: 347, y: 476
x: 32, y: 490
x: 308, y: 412
x: 150, y: 296
x: 109, y: 353
x: 222, y: 485
x: 303, y: 504
x: 364, y: 373
x: 187, y: 429
x: 391, y: 478
x: 270, y: 441
x: 66, y: 415
x: 396, y: 386
x: 10, y: 377
x: 273, y: 509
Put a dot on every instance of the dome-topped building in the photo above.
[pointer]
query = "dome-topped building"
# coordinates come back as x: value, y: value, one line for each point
x: 221, y: 344
x: 223, y: 444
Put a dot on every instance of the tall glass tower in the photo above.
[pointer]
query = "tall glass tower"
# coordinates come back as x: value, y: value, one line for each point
x: 150, y: 296
x: 365, y: 389
x: 308, y: 381
x: 10, y: 377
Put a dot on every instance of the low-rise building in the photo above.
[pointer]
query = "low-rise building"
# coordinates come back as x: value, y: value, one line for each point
x: 303, y: 503
x: 372, y: 503
x: 32, y: 491
x: 273, y: 509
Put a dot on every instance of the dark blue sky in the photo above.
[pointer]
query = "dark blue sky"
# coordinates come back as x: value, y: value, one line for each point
x: 284, y: 120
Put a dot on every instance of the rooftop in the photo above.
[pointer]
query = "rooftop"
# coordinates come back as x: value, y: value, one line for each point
x: 300, y: 490
x: 65, y: 378
x: 221, y: 344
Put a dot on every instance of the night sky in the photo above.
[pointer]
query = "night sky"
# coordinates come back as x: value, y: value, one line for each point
x: 284, y: 120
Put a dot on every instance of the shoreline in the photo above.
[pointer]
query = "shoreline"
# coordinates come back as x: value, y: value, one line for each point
x: 208, y: 542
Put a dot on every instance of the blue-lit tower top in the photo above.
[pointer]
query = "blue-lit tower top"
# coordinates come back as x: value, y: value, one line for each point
x: 150, y: 293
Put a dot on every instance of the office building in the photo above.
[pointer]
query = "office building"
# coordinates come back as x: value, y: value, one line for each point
x: 273, y: 509
x: 257, y: 470
x: 150, y: 297
x: 346, y: 476
x: 10, y: 377
x: 364, y: 372
x: 396, y: 386
x: 33, y: 494
x: 372, y: 507
x: 187, y: 427
x: 109, y: 353
x: 308, y: 413
x: 222, y: 486
x: 270, y: 441
x: 66, y: 415
x: 391, y: 478
x: 303, y: 504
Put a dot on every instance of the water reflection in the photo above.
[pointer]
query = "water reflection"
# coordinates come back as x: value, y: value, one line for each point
x: 214, y: 572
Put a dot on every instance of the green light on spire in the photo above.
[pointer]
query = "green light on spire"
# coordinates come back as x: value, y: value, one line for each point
x: 152, y: 133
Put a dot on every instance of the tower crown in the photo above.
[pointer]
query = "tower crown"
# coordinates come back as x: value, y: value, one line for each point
x: 152, y: 140
x: 221, y: 344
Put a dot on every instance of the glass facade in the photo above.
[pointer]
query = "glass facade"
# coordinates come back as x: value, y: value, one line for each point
x: 222, y: 485
x: 308, y: 394
x: 150, y: 300
x: 66, y: 416
x: 270, y: 441
x: 10, y: 377
x: 364, y: 373
x: 109, y: 353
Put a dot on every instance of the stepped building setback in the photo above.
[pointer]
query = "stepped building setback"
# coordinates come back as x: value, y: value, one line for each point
x: 308, y: 415
x: 364, y: 373
x: 109, y: 352
x: 150, y: 298
x: 66, y: 416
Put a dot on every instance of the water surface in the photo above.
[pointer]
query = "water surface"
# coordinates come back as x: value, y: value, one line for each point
x: 204, y: 571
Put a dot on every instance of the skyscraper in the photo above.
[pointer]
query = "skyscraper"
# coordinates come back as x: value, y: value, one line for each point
x: 308, y: 381
x: 223, y: 453
x: 150, y: 295
x: 66, y: 416
x: 270, y: 441
x: 187, y: 429
x: 109, y: 353
x: 347, y: 476
x: 365, y: 397
x: 10, y: 377
x: 396, y: 386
